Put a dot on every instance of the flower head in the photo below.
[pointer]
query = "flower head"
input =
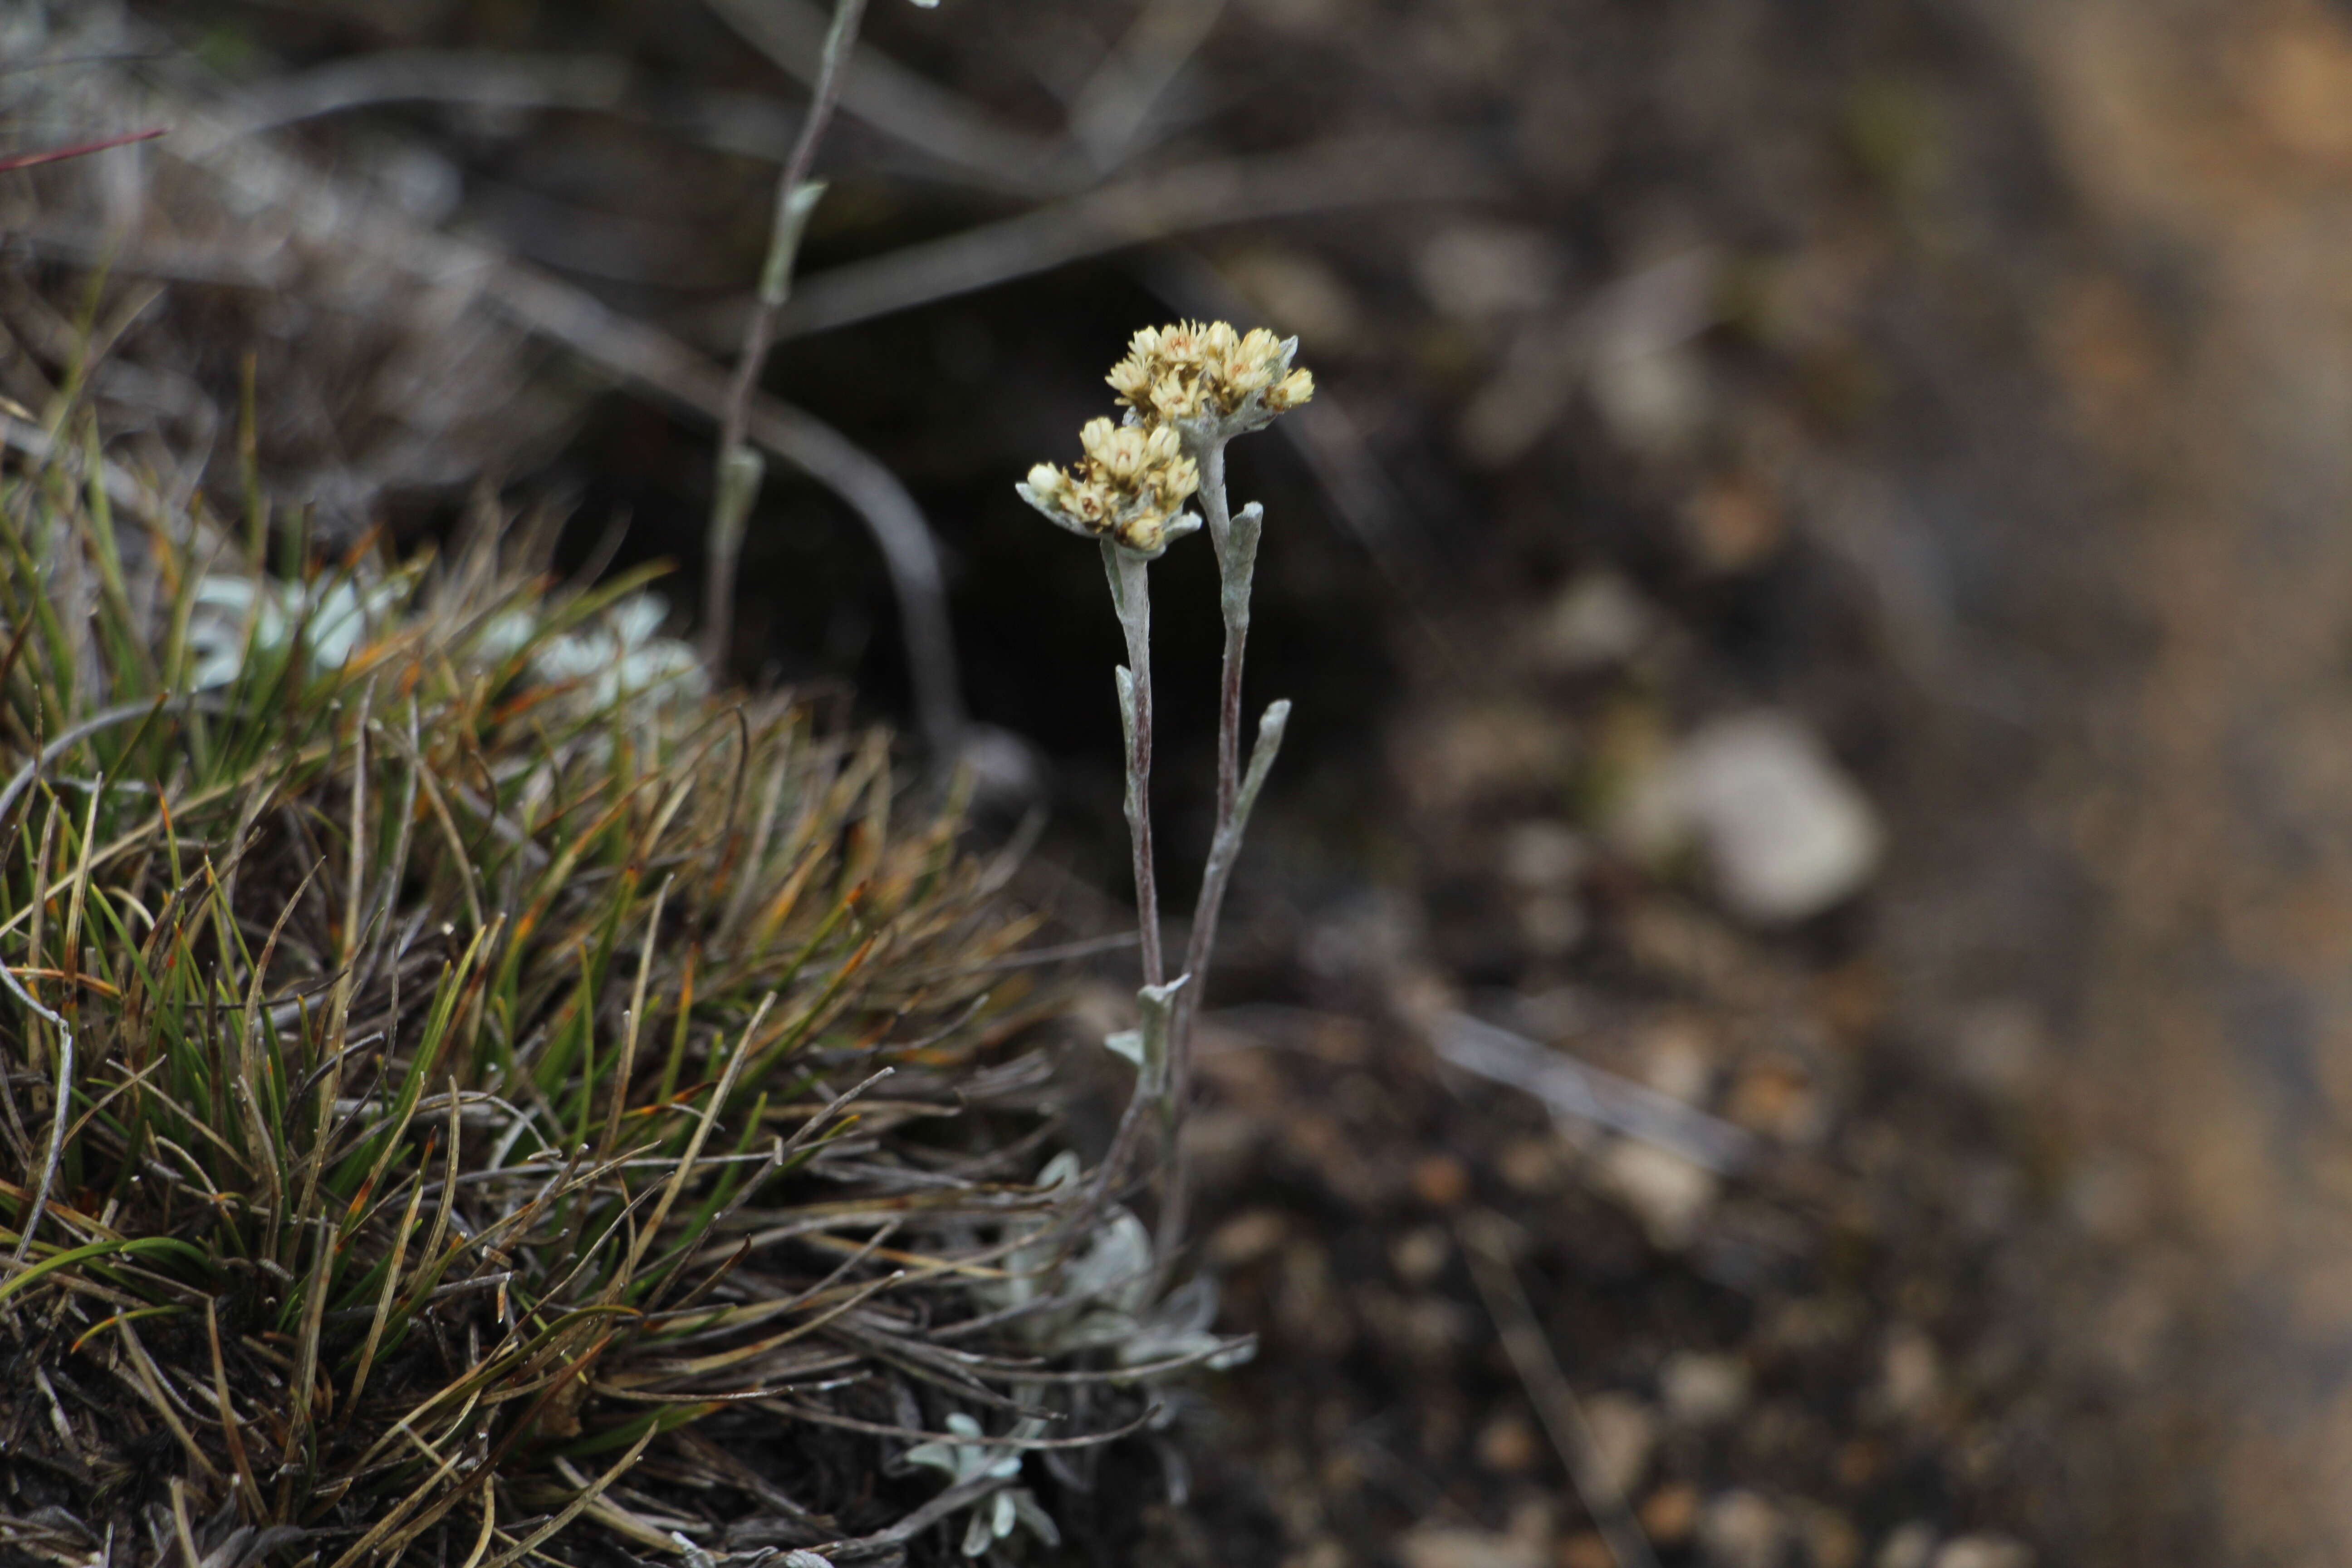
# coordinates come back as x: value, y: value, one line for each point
x: 1130, y: 487
x: 1210, y: 378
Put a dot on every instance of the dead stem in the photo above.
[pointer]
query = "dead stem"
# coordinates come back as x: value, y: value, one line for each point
x: 795, y: 197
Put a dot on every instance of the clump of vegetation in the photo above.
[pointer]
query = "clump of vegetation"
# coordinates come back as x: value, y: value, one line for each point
x: 469, y: 1095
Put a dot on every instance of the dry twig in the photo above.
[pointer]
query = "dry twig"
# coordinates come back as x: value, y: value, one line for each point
x: 738, y: 478
x: 1555, y: 1402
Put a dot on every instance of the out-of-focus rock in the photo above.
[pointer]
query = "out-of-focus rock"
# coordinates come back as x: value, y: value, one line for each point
x: 1702, y: 1390
x: 2105, y: 1196
x: 1589, y: 1549
x: 1508, y: 1445
x: 1653, y: 400
x: 1785, y: 834
x: 1669, y: 1195
x: 1597, y: 621
x: 1911, y: 1374
x: 1540, y: 855
x: 1742, y: 1530
x: 1677, y: 1058
x: 1984, y: 1552
x: 1997, y: 1045
x: 1733, y: 527
x: 1443, y: 1546
x: 1552, y: 923
x: 1830, y: 1538
x: 1419, y: 1256
x: 1646, y: 378
x: 1909, y: 1545
x: 1669, y: 1515
x: 1475, y: 271
x: 1624, y: 1436
x: 1778, y: 1098
x: 1246, y: 1238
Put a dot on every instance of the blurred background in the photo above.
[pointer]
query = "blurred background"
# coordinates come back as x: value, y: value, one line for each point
x: 1816, y: 585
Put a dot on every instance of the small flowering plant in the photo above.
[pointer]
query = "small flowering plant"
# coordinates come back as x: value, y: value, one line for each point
x: 1188, y: 389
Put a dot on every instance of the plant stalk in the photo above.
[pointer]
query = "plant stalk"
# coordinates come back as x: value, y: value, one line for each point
x: 740, y: 469
x: 1235, y: 539
x: 1130, y: 593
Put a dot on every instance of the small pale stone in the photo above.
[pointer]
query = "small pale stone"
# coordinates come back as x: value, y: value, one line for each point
x: 1588, y: 1550
x: 1830, y: 1538
x: 1741, y: 1529
x: 1984, y: 1552
x: 1541, y: 854
x: 1441, y: 1181
x: 1419, y: 1256
x: 1669, y: 1514
x: 1477, y: 270
x: 1246, y: 1238
x: 1653, y: 400
x: 1677, y: 1059
x: 1508, y: 1445
x: 1552, y: 924
x: 1597, y: 621
x: 1911, y: 1378
x: 2105, y: 1196
x: 1785, y: 833
x: 1998, y: 1046
x: 1441, y: 1546
x: 1532, y: 1164
x: 1669, y: 1195
x: 1702, y: 1390
x: 1909, y: 1545
x: 1624, y: 1436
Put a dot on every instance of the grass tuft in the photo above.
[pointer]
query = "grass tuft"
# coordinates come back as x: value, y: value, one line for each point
x: 467, y: 1095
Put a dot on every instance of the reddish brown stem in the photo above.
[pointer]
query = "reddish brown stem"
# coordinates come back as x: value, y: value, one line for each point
x: 60, y: 154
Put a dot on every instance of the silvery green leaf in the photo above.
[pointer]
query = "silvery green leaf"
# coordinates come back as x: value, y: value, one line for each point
x: 1101, y: 1329
x: 1237, y: 1352
x: 804, y: 1558
x: 936, y: 1455
x: 1190, y: 1306
x: 637, y: 617
x: 503, y: 636
x: 1060, y: 1171
x: 1040, y: 1524
x: 1116, y: 1266
x: 1127, y: 1043
x: 977, y: 1536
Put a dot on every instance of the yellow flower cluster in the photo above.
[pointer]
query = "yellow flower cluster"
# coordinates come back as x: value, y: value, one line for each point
x: 1188, y: 388
x: 1187, y: 369
x: 1131, y: 481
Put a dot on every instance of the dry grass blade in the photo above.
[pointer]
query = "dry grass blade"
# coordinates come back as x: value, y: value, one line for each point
x: 1320, y: 178
x: 1555, y: 1401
